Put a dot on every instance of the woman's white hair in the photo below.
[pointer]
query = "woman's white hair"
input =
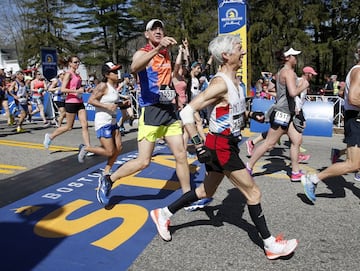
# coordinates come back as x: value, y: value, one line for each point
x: 223, y: 44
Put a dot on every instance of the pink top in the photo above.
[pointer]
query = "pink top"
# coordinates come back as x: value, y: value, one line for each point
x: 38, y: 84
x: 74, y: 83
x: 180, y: 88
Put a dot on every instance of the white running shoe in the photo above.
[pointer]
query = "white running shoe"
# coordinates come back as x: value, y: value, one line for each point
x: 47, y: 141
x: 162, y: 224
x: 280, y: 247
x: 82, y: 153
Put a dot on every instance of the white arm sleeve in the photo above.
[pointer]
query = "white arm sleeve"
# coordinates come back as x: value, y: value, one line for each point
x: 187, y: 115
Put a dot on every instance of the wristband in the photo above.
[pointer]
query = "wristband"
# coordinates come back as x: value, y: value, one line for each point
x: 196, y: 140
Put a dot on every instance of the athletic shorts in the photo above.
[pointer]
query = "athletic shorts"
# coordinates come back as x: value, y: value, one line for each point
x: 154, y: 126
x: 59, y: 104
x: 38, y: 100
x: 74, y: 107
x: 106, y: 131
x: 224, y: 152
x: 352, y: 128
x: 23, y: 107
x: 274, y: 125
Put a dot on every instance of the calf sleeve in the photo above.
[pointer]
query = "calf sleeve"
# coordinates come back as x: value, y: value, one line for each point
x: 259, y: 220
x: 185, y: 200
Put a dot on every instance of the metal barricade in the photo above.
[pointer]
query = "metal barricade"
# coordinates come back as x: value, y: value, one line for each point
x: 135, y: 103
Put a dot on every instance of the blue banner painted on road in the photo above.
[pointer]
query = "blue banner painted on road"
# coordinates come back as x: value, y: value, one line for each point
x: 63, y: 227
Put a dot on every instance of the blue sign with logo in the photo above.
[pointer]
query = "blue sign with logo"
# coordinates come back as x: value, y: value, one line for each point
x: 232, y: 16
x: 49, y: 63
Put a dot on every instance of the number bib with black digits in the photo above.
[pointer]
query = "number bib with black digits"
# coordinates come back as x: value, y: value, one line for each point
x: 281, y: 118
x: 238, y: 124
x: 167, y: 95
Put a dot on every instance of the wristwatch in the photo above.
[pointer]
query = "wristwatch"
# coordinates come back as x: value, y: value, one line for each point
x: 196, y: 140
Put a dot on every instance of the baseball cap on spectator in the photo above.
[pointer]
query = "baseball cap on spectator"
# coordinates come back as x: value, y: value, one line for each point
x: 194, y: 64
x: 309, y: 69
x: 60, y: 72
x: 108, y: 67
x: 291, y: 52
x: 154, y: 22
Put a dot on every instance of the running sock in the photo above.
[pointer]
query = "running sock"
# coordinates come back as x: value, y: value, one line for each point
x: 269, y: 241
x: 185, y: 200
x: 166, y: 213
x: 258, y: 218
x: 315, y: 179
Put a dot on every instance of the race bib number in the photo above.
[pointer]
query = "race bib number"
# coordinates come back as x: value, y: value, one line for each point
x: 167, y: 95
x: 238, y: 124
x: 22, y: 100
x: 282, y: 118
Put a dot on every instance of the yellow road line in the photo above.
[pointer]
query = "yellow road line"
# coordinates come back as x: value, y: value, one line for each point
x: 31, y: 145
x: 9, y: 169
x: 11, y: 166
x: 4, y: 171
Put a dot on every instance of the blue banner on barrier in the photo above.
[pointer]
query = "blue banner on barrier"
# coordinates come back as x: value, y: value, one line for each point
x: 319, y: 117
x: 262, y: 105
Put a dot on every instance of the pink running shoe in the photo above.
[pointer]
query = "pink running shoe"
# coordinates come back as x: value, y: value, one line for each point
x: 296, y: 176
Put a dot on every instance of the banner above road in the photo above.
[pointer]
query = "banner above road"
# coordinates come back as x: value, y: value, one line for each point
x: 232, y: 20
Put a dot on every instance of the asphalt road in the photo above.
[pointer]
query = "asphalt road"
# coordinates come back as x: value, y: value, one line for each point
x: 222, y: 236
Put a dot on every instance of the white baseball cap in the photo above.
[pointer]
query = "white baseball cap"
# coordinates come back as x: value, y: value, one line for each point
x: 291, y: 52
x: 151, y: 23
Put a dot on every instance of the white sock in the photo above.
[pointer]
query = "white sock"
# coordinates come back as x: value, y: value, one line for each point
x: 269, y: 241
x: 166, y: 212
x: 315, y: 179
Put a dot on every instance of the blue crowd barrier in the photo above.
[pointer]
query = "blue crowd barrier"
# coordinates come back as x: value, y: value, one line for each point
x: 49, y: 110
x: 319, y: 117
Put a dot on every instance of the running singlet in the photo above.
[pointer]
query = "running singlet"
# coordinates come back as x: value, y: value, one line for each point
x: 58, y: 95
x: 74, y: 83
x: 155, y: 78
x: 21, y: 92
x: 228, y: 118
x: 103, y: 116
x: 347, y: 105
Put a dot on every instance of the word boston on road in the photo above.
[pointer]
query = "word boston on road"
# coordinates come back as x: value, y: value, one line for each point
x: 63, y: 227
